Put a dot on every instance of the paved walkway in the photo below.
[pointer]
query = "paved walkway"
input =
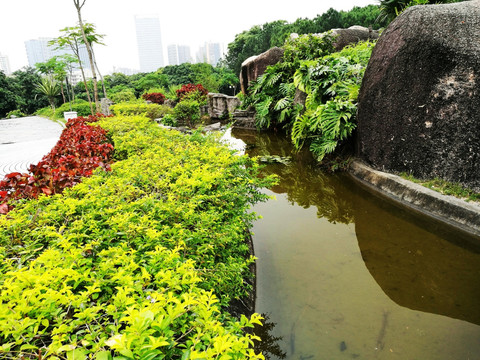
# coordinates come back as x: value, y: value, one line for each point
x: 24, y: 141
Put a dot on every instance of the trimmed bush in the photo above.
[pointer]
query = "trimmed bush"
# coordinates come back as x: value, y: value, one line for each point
x: 156, y: 98
x: 82, y: 108
x: 123, y: 96
x: 152, y: 111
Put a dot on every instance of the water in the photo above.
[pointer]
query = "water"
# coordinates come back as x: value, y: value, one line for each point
x: 344, y: 274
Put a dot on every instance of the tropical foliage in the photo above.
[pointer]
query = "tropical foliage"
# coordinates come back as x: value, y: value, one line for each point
x: 390, y: 9
x: 49, y: 87
x: 331, y: 84
x: 327, y: 81
x: 138, y: 263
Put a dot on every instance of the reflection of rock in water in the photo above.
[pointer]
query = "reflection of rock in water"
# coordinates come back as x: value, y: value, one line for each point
x: 416, y: 268
x: 269, y: 346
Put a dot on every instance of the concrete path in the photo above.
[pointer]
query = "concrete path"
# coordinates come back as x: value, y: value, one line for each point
x: 24, y: 141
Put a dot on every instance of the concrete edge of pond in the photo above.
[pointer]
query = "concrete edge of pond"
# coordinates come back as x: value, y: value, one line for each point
x: 456, y: 212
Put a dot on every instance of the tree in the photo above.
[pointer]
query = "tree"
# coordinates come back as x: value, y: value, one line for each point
x: 390, y: 9
x: 73, y: 40
x: 179, y: 74
x: 94, y: 38
x: 56, y: 68
x: 49, y: 87
x: 8, y: 99
x: 151, y: 81
x: 79, y: 5
x: 24, y: 84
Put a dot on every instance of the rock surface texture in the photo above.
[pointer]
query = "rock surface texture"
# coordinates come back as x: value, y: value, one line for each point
x: 419, y: 104
x: 221, y: 105
x: 352, y: 35
x: 255, y: 66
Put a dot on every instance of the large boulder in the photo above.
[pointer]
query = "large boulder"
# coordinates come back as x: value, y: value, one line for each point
x: 352, y: 35
x: 255, y: 66
x: 419, y: 104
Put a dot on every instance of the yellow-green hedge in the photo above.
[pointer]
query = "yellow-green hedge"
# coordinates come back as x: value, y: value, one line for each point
x: 137, y: 263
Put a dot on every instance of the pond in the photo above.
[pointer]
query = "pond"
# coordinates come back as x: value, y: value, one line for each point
x: 345, y: 274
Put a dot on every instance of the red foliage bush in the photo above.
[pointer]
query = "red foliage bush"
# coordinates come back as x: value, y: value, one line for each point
x: 81, y: 148
x: 190, y: 88
x: 157, y: 98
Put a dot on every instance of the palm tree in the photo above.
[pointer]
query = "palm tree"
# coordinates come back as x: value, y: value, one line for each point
x: 50, y: 88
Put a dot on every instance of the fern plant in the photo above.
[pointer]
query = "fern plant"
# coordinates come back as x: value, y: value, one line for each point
x: 273, y: 93
x: 332, y: 84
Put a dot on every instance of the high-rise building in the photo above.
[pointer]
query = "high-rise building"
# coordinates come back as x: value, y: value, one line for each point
x: 4, y: 64
x: 210, y: 54
x: 178, y: 54
x: 149, y: 41
x: 38, y: 51
x: 172, y: 54
x: 184, y: 54
x: 213, y: 53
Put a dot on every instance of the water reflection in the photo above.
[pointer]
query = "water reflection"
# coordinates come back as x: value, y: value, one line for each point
x: 382, y: 283
x: 301, y: 180
x: 269, y: 346
x: 417, y: 268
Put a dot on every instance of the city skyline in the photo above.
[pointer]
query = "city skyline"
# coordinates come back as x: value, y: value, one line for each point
x: 213, y: 23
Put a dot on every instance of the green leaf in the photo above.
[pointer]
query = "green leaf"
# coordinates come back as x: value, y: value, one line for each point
x: 103, y: 355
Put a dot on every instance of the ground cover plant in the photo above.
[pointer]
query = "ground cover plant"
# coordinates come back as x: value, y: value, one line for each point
x: 137, y: 263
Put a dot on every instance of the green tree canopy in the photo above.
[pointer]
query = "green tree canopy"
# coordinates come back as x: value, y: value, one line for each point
x: 261, y: 38
x: 8, y: 99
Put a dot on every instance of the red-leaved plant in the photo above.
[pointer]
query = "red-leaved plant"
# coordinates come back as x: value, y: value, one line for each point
x: 81, y: 148
x: 156, y: 98
x: 191, y: 88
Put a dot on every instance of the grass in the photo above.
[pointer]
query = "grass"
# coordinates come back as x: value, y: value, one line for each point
x: 445, y: 187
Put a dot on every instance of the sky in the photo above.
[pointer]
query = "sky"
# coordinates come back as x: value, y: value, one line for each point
x: 183, y: 22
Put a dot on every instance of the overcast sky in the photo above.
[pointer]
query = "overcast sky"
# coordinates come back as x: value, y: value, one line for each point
x: 183, y: 22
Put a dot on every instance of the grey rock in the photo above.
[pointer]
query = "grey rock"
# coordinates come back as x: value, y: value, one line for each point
x: 419, y: 100
x: 352, y: 35
x: 221, y: 105
x: 255, y: 66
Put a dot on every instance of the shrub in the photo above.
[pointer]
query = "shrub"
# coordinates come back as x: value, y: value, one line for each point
x: 156, y: 98
x: 198, y: 92
x: 46, y: 112
x: 82, y: 108
x: 152, y: 111
x: 16, y: 113
x: 123, y: 96
x: 137, y: 263
x: 81, y: 149
x: 169, y: 120
x: 187, y: 111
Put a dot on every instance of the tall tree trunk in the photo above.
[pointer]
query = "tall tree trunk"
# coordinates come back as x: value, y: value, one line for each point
x: 63, y: 94
x: 78, y: 5
x: 101, y: 77
x: 86, y: 87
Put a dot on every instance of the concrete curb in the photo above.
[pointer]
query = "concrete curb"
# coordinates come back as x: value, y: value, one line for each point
x: 458, y: 213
